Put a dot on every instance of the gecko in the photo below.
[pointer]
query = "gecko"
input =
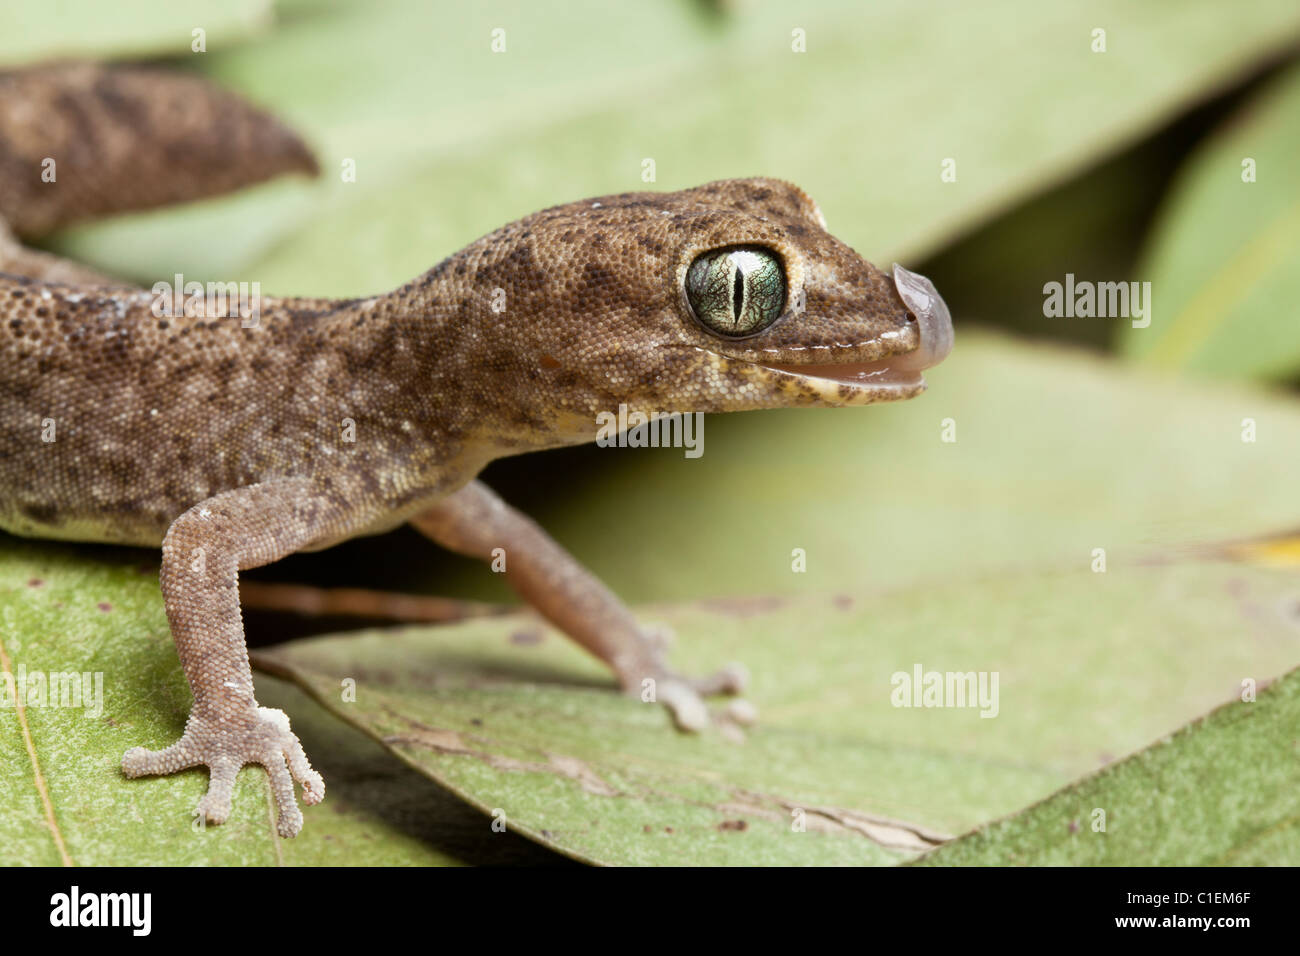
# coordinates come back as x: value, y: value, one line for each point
x: 223, y: 442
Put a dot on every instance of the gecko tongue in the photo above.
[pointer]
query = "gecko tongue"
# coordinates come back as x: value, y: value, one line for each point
x: 919, y: 295
x: 935, y: 322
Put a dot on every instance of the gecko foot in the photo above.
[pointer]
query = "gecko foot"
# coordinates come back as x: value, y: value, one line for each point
x: 684, y: 696
x: 226, y: 744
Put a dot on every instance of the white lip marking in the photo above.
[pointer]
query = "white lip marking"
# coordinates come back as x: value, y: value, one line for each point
x: 896, y: 372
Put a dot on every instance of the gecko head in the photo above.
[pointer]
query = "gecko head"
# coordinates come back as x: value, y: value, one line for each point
x: 780, y: 312
x: 726, y: 297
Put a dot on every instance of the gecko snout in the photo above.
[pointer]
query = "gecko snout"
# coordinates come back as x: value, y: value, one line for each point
x: 923, y: 302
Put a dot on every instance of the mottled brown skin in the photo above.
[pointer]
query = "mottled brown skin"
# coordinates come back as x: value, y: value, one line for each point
x: 226, y: 445
x: 593, y: 317
x: 126, y: 138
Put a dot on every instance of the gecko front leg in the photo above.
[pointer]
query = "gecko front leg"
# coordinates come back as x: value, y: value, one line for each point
x: 203, y: 553
x: 474, y: 521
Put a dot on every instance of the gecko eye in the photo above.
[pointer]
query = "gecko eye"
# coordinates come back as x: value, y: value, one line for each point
x: 737, y: 291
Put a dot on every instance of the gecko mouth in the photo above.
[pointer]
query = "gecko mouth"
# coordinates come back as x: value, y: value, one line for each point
x: 895, y: 376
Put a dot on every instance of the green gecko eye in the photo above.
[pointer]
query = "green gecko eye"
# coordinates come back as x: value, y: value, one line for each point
x: 738, y: 290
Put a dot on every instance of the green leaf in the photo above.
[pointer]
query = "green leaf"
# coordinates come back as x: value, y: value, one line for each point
x: 38, y: 30
x: 1222, y: 259
x: 523, y: 725
x: 1221, y: 791
x: 451, y: 140
x: 65, y: 800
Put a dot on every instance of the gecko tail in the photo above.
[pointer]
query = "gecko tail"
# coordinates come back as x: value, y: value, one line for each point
x: 79, y: 141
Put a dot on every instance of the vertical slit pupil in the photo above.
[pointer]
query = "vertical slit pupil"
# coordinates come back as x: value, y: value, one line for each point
x: 737, y: 293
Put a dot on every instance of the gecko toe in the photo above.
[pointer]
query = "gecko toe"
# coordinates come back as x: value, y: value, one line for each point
x: 290, y: 816
x: 684, y: 696
x: 142, y: 762
x: 731, y: 679
x: 216, y: 803
x: 741, y: 712
x: 312, y: 783
x: 684, y: 703
x: 289, y: 823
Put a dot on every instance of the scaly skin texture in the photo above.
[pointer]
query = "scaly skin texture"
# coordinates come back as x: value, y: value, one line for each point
x: 127, y: 138
x: 232, y: 446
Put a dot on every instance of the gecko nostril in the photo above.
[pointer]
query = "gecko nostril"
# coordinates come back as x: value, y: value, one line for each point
x: 911, y: 317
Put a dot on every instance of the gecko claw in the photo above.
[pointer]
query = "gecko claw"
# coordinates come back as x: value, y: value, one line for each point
x: 224, y: 744
x: 684, y: 703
